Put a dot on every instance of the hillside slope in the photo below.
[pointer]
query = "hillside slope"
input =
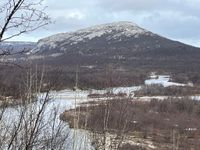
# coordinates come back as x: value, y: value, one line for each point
x: 122, y: 43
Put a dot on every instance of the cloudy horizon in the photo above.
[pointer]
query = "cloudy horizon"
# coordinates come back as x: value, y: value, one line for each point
x: 174, y: 19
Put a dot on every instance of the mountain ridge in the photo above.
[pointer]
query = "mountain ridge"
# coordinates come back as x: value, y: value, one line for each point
x: 122, y: 28
x: 120, y: 43
x: 118, y: 35
x: 129, y: 51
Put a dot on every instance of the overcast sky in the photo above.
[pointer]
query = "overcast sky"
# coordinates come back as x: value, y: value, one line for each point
x: 175, y: 19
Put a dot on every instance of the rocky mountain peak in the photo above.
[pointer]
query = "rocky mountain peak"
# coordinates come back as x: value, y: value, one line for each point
x: 110, y: 31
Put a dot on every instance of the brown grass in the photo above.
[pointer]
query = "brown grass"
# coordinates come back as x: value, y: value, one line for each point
x: 169, y: 122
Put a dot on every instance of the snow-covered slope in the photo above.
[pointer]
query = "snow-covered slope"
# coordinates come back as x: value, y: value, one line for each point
x: 112, y: 31
x: 17, y: 46
x: 118, y: 43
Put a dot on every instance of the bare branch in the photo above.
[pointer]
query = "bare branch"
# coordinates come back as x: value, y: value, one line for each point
x: 20, y: 17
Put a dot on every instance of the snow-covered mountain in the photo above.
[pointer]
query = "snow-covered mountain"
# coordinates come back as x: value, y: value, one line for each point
x: 121, y: 42
x: 17, y: 46
x: 113, y: 32
x: 121, y: 48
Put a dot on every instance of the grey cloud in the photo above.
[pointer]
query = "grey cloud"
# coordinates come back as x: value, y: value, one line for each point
x: 130, y: 5
x: 69, y: 4
x: 173, y: 25
x: 138, y: 6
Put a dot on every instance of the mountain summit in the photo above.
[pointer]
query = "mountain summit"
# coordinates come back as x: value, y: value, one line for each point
x: 116, y: 31
x: 122, y: 43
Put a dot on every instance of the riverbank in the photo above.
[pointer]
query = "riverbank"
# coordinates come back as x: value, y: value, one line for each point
x: 87, y: 106
x: 164, y: 124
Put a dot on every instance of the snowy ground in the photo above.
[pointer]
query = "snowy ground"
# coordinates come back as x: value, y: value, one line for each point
x: 163, y: 80
x: 68, y: 99
x: 149, y: 98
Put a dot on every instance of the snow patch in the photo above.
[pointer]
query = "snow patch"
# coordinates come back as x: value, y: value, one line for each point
x: 113, y: 31
x: 163, y: 80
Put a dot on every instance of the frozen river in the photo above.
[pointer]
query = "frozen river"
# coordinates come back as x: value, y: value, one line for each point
x: 68, y: 99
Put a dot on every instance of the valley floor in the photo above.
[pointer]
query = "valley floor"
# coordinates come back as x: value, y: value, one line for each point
x: 127, y: 121
x: 130, y: 117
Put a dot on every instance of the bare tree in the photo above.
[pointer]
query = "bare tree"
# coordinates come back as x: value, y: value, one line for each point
x: 33, y: 125
x: 20, y: 17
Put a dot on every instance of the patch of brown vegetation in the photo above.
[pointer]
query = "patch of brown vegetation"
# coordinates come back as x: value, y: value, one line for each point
x: 108, y: 94
x: 169, y: 123
x: 155, y: 90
